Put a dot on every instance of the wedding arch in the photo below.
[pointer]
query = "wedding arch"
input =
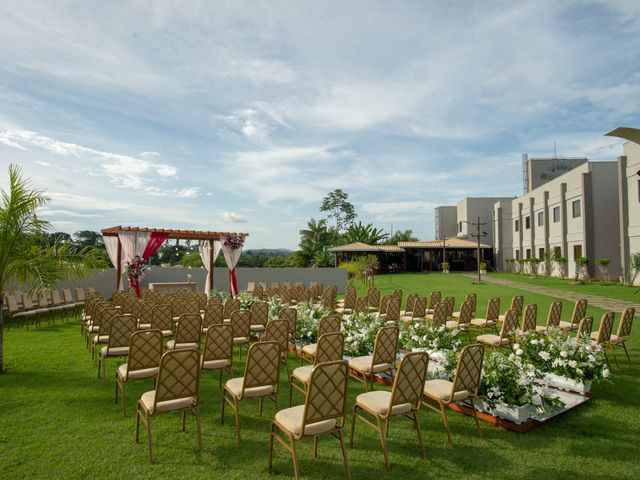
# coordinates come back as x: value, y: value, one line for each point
x: 123, y: 244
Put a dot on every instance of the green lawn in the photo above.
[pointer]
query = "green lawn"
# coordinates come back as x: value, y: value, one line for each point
x: 612, y: 290
x: 59, y: 421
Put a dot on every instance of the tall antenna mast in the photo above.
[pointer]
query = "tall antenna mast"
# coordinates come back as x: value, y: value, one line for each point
x: 555, y: 152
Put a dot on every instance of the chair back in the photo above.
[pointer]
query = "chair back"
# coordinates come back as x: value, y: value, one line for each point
x: 362, y: 305
x: 218, y: 343
x: 178, y: 305
x: 509, y: 325
x: 201, y: 300
x: 328, y: 299
x: 66, y: 294
x: 517, y: 303
x: 263, y: 366
x: 12, y: 304
x: 122, y: 327
x: 469, y: 370
x: 241, y: 323
x: 146, y: 312
x: 145, y: 350
x: 493, y: 309
x: 555, y: 310
x: 104, y: 317
x: 189, y: 328
x: 419, y: 308
x: 449, y: 303
x: 386, y: 346
x: 162, y: 317
x: 530, y: 318
x: 440, y: 314
x: 409, y: 382
x: 178, y: 378
x: 397, y: 293
x: 466, y: 313
x: 213, y: 315
x: 585, y: 327
x: 291, y: 316
x: 350, y: 297
x: 384, y: 302
x: 27, y: 302
x: 230, y: 306
x: 330, y: 348
x: 411, y: 300
x: 55, y: 298
x: 327, y: 394
x: 579, y: 311
x: 624, y: 329
x: 278, y: 331
x: 329, y: 324
x: 605, y: 329
x: 473, y: 298
x: 434, y: 299
x: 373, y: 297
x: 215, y: 300
x: 393, y: 310
x: 259, y: 313
x: 258, y: 292
x: 80, y: 294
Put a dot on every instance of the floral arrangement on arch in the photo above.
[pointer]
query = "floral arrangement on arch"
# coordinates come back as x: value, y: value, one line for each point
x: 234, y: 242
x: 360, y: 330
x: 308, y: 321
x: 554, y: 353
x: 510, y: 382
x: 135, y: 269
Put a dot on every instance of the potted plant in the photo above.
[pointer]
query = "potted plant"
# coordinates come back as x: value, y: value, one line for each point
x: 520, y: 265
x: 562, y: 263
x: 445, y: 267
x: 548, y: 265
x: 603, y: 265
x: 534, y: 263
x: 582, y: 270
x: 483, y: 267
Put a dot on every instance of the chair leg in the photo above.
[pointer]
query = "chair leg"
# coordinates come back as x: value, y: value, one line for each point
x: 443, y: 414
x: 149, y: 439
x: 613, y: 352
x: 237, y: 415
x: 294, y: 455
x: 416, y: 424
x: 290, y: 389
x: 344, y: 456
x: 353, y: 425
x: 383, y: 443
x: 137, y: 426
x: 224, y: 400
x: 475, y: 416
x: 315, y: 446
x: 124, y: 399
x: 271, y: 434
x: 220, y: 383
x: 626, y: 353
x: 198, y: 427
x: 184, y: 419
x: 260, y: 407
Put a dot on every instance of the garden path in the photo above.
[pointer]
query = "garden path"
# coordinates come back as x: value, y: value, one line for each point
x: 596, y: 300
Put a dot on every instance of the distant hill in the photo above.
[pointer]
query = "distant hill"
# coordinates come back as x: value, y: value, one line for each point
x: 268, y: 251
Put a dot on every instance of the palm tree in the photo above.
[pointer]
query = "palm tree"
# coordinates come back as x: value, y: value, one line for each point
x: 358, y: 232
x: 23, y: 259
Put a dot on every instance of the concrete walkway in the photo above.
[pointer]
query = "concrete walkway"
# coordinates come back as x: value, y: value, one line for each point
x: 605, y: 303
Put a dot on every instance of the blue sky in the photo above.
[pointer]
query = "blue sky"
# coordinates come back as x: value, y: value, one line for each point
x: 242, y: 115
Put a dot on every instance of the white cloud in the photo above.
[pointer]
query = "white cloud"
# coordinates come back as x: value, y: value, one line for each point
x: 234, y: 217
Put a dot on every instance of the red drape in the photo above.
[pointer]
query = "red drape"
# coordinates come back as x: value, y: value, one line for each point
x: 155, y: 242
x: 233, y: 283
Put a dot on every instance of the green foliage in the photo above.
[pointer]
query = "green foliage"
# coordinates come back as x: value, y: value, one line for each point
x: 360, y: 330
x: 483, y: 266
x: 634, y: 266
x: 401, y: 236
x: 323, y: 259
x: 361, y: 267
x: 358, y: 232
x: 191, y: 259
x: 339, y: 208
x: 86, y: 238
x: 171, y: 254
x: 307, y: 322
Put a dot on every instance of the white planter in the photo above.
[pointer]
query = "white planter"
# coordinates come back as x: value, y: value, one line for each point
x: 445, y: 271
x: 567, y: 384
x: 512, y: 413
x: 483, y: 272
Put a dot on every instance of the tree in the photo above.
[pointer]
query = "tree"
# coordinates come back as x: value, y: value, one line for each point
x: 85, y: 238
x: 341, y: 210
x: 364, y: 233
x: 22, y: 259
x: 313, y: 240
x: 192, y: 259
x: 401, y: 236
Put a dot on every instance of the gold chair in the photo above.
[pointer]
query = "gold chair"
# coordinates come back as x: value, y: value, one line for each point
x: 328, y: 324
x: 449, y: 303
x: 508, y: 328
x: 382, y: 360
x: 373, y: 299
x: 402, y: 400
x: 278, y: 331
x: 346, y: 305
x: 259, y: 316
x: 603, y: 336
x: 361, y: 305
x: 177, y: 390
x: 230, y: 305
x: 187, y: 333
x: 143, y: 361
x: 291, y: 316
x: 434, y: 298
x: 408, y: 308
x: 439, y: 315
x: 330, y: 349
x: 491, y: 319
x: 261, y: 379
x: 579, y: 312
x: 464, y: 386
x: 120, y: 330
x: 213, y: 315
x: 146, y: 315
x: 470, y: 297
x: 162, y: 319
x: 392, y: 315
x: 584, y: 328
x: 622, y: 335
x: 103, y: 316
x: 464, y: 320
x: 241, y: 325
x: 418, y: 312
x: 553, y: 319
x: 323, y: 413
x: 218, y: 350
x: 530, y: 319
x: 516, y: 304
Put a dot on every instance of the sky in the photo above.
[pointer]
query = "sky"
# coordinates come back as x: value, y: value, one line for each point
x: 242, y: 115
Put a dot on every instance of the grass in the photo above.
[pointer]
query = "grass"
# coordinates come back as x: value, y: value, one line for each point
x: 59, y: 421
x: 610, y: 290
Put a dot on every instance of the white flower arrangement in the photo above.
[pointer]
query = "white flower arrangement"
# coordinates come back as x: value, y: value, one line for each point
x: 246, y: 300
x: 308, y: 321
x: 360, y: 330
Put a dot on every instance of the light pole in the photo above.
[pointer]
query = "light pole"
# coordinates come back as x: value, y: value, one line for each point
x: 477, y: 235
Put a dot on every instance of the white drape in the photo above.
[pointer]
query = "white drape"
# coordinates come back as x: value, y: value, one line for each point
x: 231, y: 257
x: 133, y: 243
x: 204, y: 255
x: 111, y: 244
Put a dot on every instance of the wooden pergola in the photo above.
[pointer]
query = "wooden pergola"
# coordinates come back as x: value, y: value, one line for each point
x: 175, y: 234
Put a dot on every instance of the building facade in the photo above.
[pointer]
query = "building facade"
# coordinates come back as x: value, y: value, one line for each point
x: 467, y: 212
x: 629, y: 206
x: 446, y: 221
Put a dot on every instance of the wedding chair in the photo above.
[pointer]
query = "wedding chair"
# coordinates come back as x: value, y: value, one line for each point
x: 382, y: 360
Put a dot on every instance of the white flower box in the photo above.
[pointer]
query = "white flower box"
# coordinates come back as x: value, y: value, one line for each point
x: 512, y: 413
x: 567, y: 384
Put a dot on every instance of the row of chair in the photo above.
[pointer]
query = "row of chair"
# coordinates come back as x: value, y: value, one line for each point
x: 25, y: 308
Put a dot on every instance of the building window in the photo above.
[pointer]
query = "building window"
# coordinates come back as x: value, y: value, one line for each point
x: 541, y: 254
x: 577, y: 252
x: 540, y: 219
x: 528, y: 253
x: 556, y: 214
x: 517, y: 225
x: 517, y: 254
x: 459, y: 226
x: 575, y: 208
x: 557, y: 252
x: 527, y: 222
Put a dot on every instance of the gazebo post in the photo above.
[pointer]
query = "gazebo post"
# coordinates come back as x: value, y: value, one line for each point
x: 119, y: 265
x: 210, y: 271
